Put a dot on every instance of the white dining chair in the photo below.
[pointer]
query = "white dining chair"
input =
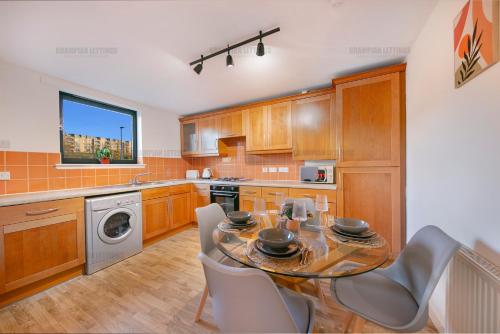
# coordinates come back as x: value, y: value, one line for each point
x: 208, y: 218
x: 397, y: 297
x: 247, y: 300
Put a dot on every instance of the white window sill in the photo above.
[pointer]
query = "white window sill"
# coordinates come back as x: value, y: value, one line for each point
x: 98, y: 166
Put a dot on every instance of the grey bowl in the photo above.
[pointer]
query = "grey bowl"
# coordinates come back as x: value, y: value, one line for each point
x: 239, y: 217
x: 277, y: 238
x: 351, y: 225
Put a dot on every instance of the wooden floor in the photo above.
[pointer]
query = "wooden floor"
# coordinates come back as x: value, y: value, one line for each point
x: 155, y: 291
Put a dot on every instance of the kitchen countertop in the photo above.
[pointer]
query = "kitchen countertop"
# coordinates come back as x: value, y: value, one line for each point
x: 42, y: 196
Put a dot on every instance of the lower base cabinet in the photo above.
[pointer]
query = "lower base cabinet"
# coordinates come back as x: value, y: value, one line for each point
x: 165, y: 209
x: 373, y: 194
x: 40, y: 240
x: 200, y: 197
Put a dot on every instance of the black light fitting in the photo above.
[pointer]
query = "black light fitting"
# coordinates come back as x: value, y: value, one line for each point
x: 260, y: 46
x: 229, y: 59
x: 198, y: 68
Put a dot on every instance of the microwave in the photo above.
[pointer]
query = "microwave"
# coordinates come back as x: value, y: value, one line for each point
x: 317, y: 174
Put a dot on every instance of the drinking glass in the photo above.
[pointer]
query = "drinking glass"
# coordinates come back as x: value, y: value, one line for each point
x: 259, y: 210
x: 321, y: 205
x: 279, y: 200
x: 299, y: 212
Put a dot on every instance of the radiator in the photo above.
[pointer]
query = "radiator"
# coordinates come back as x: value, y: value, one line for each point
x: 473, y: 296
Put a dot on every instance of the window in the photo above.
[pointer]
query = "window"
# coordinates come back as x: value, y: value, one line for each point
x: 87, y: 126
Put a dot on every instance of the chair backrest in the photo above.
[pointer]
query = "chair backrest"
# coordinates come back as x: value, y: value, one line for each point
x: 208, y: 218
x: 245, y: 300
x: 420, y: 266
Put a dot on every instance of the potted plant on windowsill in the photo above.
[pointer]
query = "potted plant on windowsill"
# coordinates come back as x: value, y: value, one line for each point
x: 103, y: 155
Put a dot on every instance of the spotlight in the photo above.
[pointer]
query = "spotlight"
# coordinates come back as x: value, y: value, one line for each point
x: 198, y: 68
x: 229, y: 59
x: 260, y: 46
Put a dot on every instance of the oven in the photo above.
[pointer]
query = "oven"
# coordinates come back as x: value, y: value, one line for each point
x: 227, y: 196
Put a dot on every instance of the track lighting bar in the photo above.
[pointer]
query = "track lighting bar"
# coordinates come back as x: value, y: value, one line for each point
x: 229, y: 48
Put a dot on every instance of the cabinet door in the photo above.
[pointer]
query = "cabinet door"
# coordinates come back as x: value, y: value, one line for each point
x: 155, y: 217
x: 246, y: 203
x: 208, y: 135
x: 199, y: 199
x: 231, y: 124
x: 368, y: 121
x: 180, y: 209
x: 37, y: 249
x: 189, y: 138
x: 373, y: 194
x: 256, y: 128
x: 313, y: 128
x: 279, y: 126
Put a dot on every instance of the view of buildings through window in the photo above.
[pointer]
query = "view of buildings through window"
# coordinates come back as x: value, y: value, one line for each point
x: 88, y: 127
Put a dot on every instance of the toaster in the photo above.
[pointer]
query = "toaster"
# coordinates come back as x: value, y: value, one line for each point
x: 192, y: 174
x: 317, y: 174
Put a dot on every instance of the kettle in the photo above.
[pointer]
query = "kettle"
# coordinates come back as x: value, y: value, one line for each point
x: 207, y: 173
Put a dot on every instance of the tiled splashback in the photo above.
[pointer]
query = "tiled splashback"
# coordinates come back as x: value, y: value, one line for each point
x: 238, y: 163
x: 31, y: 172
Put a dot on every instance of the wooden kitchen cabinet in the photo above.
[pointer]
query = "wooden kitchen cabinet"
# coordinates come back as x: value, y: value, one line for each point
x: 40, y: 240
x: 268, y: 128
x: 313, y: 128
x: 165, y: 209
x: 189, y: 138
x: 200, y: 197
x: 370, y: 121
x: 155, y: 217
x: 208, y: 132
x: 180, y: 208
x: 231, y: 124
x: 374, y: 195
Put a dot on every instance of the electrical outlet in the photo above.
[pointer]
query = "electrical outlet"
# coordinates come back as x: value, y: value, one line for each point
x: 226, y: 159
x: 264, y: 169
x: 283, y: 169
x: 4, y: 176
x: 273, y: 170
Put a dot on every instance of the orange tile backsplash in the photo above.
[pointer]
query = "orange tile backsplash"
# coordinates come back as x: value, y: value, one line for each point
x: 238, y: 163
x: 33, y: 171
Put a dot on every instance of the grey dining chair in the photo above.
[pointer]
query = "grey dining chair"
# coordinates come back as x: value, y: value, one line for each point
x: 208, y: 218
x: 397, y: 297
x: 247, y: 300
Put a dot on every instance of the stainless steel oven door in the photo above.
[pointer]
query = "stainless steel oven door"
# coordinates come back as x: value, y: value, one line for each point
x: 228, y: 201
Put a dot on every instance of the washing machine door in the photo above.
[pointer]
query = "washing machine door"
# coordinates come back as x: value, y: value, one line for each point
x: 116, y: 225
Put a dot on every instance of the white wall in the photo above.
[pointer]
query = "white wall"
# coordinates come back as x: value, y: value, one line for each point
x: 29, y: 113
x: 453, y: 145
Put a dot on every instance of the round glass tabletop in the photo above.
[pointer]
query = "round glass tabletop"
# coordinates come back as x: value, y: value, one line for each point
x: 321, y: 252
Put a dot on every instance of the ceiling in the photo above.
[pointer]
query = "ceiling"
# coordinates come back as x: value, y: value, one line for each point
x: 150, y: 45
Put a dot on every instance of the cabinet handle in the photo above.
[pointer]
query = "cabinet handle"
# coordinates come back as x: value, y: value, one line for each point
x: 41, y: 212
x: 249, y: 193
x: 308, y: 196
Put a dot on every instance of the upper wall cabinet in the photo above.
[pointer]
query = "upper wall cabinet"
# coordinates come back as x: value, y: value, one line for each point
x: 231, y: 124
x: 199, y: 137
x: 313, y: 128
x: 368, y: 116
x: 268, y: 128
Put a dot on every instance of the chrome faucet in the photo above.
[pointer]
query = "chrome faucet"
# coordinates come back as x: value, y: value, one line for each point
x: 135, y: 180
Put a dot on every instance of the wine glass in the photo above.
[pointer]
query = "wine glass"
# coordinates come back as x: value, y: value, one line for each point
x: 299, y: 212
x: 259, y: 209
x: 279, y: 200
x: 321, y: 205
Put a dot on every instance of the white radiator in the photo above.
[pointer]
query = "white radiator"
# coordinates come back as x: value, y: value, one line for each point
x: 473, y: 296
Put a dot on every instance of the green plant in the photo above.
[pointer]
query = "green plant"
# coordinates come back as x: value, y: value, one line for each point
x: 103, y: 153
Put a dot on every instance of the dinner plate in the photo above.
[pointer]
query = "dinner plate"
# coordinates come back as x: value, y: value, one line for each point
x: 292, y: 249
x: 365, y: 235
x: 250, y: 223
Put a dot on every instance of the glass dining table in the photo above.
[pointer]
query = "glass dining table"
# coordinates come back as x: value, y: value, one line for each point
x: 324, y: 253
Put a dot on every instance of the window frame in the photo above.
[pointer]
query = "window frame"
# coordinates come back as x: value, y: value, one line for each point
x: 94, y: 103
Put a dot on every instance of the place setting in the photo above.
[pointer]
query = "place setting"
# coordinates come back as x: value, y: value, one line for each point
x: 237, y: 222
x: 351, y: 230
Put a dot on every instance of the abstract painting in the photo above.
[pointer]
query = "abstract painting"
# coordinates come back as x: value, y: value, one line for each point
x: 476, y: 39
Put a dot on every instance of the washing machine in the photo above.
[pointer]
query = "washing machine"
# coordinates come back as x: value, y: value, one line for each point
x: 113, y: 229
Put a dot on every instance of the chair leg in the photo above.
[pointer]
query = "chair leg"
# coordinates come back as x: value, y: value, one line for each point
x: 203, y: 300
